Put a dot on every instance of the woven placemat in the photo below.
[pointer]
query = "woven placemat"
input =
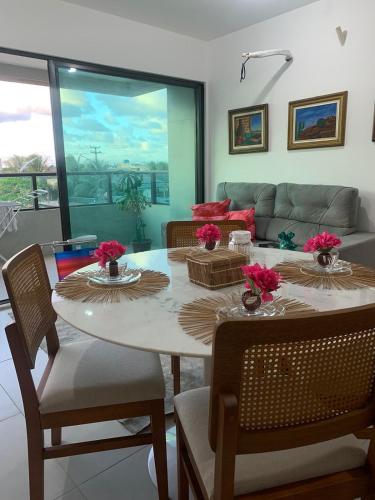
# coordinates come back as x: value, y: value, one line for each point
x: 180, y: 254
x: 199, y: 318
x: 78, y: 287
x: 354, y: 277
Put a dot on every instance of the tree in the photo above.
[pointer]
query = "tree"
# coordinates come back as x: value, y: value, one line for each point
x: 133, y: 200
x: 31, y: 163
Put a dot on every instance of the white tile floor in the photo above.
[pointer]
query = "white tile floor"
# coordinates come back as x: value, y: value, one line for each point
x: 112, y: 475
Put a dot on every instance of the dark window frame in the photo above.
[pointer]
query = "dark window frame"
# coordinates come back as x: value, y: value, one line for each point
x: 54, y: 62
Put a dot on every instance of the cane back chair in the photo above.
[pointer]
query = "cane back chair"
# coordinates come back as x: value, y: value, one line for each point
x: 288, y: 414
x: 182, y: 234
x: 83, y: 382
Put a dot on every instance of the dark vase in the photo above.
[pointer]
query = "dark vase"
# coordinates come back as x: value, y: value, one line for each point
x: 113, y: 268
x: 324, y: 259
x: 210, y: 245
x: 251, y: 300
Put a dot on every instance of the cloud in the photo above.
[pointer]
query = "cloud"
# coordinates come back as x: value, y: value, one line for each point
x: 40, y: 110
x: 70, y: 110
x: 90, y: 124
x: 14, y: 117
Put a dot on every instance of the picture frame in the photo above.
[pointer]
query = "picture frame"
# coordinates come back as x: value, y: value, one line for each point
x: 317, y: 122
x: 248, y: 129
x: 373, y: 127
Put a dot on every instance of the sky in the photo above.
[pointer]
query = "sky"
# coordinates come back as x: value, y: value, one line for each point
x: 310, y: 115
x: 256, y: 121
x: 25, y: 120
x: 123, y: 128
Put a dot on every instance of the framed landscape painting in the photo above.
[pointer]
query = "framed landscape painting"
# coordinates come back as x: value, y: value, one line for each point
x: 317, y: 122
x: 248, y: 129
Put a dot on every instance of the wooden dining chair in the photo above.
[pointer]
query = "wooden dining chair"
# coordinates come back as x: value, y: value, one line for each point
x: 182, y: 234
x: 83, y: 382
x: 288, y: 414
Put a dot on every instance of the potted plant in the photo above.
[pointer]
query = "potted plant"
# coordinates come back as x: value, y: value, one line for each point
x: 133, y: 200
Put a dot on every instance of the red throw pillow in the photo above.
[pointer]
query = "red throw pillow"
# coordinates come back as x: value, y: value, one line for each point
x: 246, y: 215
x: 211, y: 209
x: 213, y: 218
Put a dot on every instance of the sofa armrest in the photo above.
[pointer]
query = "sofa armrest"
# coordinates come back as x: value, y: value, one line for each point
x: 358, y: 247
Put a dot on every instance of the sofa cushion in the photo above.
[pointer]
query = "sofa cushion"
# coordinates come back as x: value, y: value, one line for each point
x: 333, y: 206
x: 259, y: 471
x: 249, y: 195
x: 310, y: 209
x: 260, y: 196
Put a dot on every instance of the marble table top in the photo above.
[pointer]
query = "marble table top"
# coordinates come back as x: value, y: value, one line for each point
x: 151, y: 323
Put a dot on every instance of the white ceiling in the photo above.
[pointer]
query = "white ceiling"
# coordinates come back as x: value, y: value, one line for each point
x: 202, y: 19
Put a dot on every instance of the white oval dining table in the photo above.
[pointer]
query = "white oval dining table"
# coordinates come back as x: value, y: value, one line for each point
x: 151, y: 323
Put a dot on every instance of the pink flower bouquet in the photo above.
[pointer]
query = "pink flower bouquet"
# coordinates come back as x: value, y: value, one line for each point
x: 209, y: 235
x: 261, y: 281
x: 109, y: 251
x: 322, y: 242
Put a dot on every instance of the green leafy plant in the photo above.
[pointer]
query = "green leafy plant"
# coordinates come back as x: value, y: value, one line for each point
x: 133, y: 200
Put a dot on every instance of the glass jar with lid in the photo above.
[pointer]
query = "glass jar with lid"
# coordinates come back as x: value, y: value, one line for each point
x: 240, y: 241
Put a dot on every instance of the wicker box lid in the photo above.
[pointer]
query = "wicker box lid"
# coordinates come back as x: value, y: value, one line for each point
x: 216, y: 269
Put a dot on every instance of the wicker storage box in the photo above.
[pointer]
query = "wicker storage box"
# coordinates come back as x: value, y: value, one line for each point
x: 216, y: 269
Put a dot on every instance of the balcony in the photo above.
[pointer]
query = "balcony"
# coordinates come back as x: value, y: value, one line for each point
x: 93, y: 197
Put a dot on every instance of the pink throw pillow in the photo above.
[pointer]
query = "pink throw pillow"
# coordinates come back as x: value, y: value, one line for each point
x: 211, y: 209
x: 245, y: 215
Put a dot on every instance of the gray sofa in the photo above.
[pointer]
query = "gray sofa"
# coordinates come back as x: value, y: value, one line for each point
x: 305, y: 210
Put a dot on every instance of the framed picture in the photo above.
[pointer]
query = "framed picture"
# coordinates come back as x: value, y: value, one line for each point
x: 248, y: 129
x: 373, y: 128
x: 318, y: 122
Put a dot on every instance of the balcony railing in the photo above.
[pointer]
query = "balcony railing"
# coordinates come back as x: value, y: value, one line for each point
x: 85, y: 188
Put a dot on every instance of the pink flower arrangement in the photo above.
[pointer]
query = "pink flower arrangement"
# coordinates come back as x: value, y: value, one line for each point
x: 323, y: 241
x: 261, y: 280
x: 109, y: 251
x: 208, y: 233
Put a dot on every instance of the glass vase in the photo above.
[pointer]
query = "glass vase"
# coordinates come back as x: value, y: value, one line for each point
x: 326, y: 258
x: 209, y: 245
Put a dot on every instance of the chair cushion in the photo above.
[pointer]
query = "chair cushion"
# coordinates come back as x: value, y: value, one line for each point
x: 97, y: 373
x: 258, y: 471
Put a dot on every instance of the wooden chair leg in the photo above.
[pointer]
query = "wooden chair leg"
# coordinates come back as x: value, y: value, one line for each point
x: 56, y: 436
x: 183, y: 482
x: 176, y: 369
x: 36, y: 464
x: 160, y: 450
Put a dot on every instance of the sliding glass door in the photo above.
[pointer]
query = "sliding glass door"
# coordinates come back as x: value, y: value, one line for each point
x: 130, y: 152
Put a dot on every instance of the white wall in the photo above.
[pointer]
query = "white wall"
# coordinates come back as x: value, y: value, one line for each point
x: 40, y: 226
x: 321, y: 65
x: 61, y: 29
